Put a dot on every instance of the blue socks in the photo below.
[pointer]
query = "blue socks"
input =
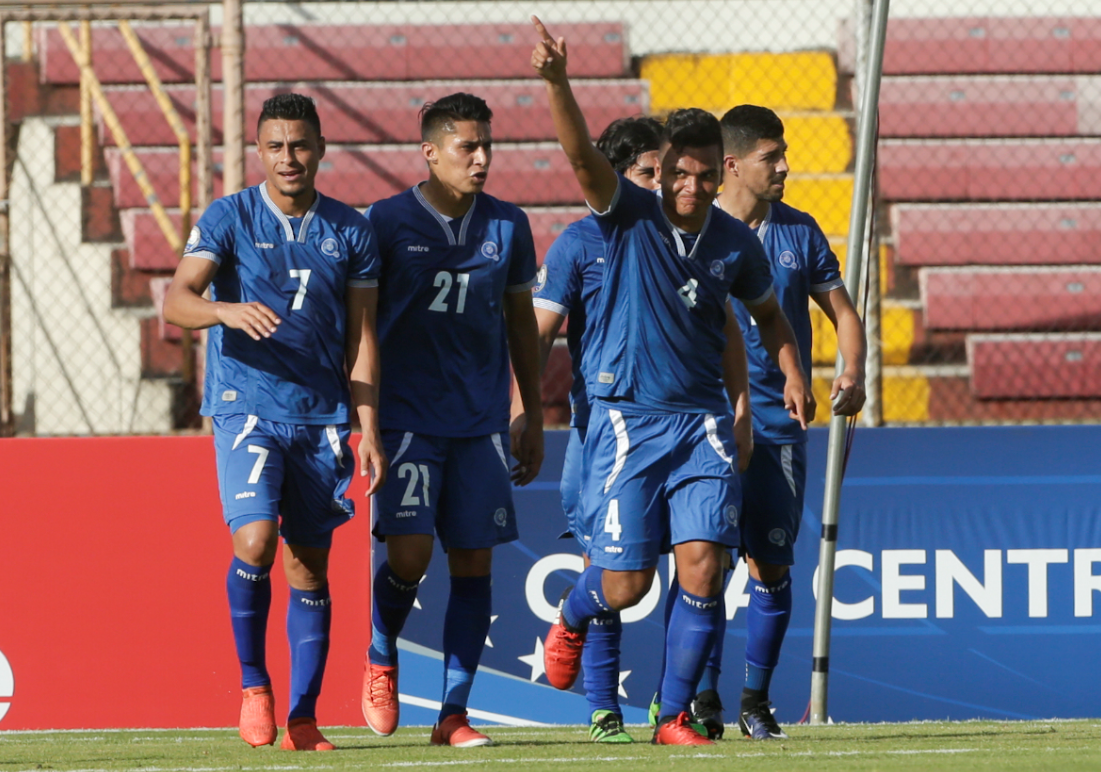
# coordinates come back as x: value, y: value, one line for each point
x: 600, y: 661
x: 309, y: 615
x: 694, y: 623
x: 586, y: 600
x: 766, y: 625
x: 465, y: 628
x: 393, y: 600
x: 249, y: 591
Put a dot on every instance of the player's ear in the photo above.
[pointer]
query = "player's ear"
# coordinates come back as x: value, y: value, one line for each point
x: 430, y: 152
x: 730, y: 165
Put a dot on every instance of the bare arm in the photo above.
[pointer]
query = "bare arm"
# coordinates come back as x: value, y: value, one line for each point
x: 779, y: 341
x: 853, y: 345
x: 594, y: 173
x: 361, y: 352
x: 526, y: 433
x: 185, y: 306
x: 736, y: 379
x: 548, y: 323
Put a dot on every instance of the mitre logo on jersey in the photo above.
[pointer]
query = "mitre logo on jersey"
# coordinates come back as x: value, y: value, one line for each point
x: 717, y: 268
x: 193, y: 237
x: 329, y: 247
x: 541, y: 277
x: 489, y: 249
x: 788, y: 259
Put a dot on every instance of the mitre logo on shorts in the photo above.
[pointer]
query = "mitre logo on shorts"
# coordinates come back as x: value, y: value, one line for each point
x: 778, y: 536
x: 541, y: 277
x: 193, y: 237
x: 717, y: 268
x: 731, y: 514
x: 500, y: 517
x: 789, y: 260
x: 329, y: 247
x: 489, y: 249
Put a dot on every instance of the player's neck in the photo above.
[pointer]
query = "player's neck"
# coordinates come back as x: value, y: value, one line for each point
x: 686, y: 224
x: 292, y: 206
x: 445, y: 200
x: 743, y: 205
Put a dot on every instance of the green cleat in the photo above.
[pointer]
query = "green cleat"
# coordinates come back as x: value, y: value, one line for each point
x: 655, y: 710
x: 607, y: 727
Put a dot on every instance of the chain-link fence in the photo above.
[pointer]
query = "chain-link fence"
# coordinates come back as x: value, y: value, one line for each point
x: 983, y: 302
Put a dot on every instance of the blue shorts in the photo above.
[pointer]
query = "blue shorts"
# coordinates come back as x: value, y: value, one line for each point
x: 773, y: 489
x: 456, y: 487
x: 570, y: 486
x: 655, y: 480
x: 294, y: 474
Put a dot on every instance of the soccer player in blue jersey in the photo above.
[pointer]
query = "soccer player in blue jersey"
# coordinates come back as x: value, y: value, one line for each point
x: 455, y: 307
x: 659, y: 449
x: 293, y: 277
x: 803, y: 268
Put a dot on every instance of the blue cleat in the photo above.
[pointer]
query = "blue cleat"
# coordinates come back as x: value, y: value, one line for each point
x: 757, y: 723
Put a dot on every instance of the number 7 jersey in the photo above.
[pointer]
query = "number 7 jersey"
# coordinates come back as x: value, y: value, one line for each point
x: 445, y: 365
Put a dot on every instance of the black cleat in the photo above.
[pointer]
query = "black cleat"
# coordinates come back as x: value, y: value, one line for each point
x: 707, y: 709
x: 757, y: 723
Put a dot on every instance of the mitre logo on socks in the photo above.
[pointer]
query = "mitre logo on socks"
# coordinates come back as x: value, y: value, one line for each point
x: 399, y: 586
x: 320, y: 602
x: 770, y: 590
x: 252, y: 577
x: 702, y: 605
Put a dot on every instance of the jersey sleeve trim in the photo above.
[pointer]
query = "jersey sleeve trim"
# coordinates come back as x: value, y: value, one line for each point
x: 550, y: 305
x: 615, y: 200
x: 363, y: 283
x: 757, y: 301
x: 520, y: 287
x: 826, y: 286
x: 205, y: 255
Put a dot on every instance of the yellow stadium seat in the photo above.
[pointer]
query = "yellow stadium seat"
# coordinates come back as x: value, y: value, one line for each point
x: 817, y: 144
x: 826, y: 196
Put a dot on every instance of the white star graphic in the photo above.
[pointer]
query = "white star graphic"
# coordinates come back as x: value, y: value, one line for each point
x: 623, y: 677
x: 417, y: 601
x: 535, y: 660
x: 492, y: 619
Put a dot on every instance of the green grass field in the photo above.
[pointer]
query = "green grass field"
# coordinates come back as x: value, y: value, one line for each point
x: 1032, y: 745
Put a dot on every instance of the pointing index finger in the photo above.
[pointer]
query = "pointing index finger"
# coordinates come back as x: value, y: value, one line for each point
x: 542, y: 30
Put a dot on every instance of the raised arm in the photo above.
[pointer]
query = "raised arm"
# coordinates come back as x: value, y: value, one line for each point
x: 779, y: 341
x: 361, y: 353
x: 185, y: 306
x: 736, y: 380
x: 594, y: 173
x: 853, y: 345
x: 523, y: 349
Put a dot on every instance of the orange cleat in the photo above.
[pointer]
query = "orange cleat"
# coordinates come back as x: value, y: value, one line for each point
x: 380, y: 698
x: 562, y: 653
x: 678, y: 731
x: 303, y: 735
x: 258, y: 716
x: 455, y: 730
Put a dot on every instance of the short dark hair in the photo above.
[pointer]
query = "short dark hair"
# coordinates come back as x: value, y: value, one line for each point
x: 289, y: 107
x: 746, y: 125
x: 626, y: 139
x: 441, y: 115
x: 692, y: 127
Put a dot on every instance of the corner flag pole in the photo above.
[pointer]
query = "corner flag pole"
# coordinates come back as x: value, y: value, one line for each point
x: 857, y: 246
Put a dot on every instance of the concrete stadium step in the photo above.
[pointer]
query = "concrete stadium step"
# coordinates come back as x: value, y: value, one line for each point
x: 990, y: 106
x: 980, y: 44
x: 382, y: 112
x: 996, y: 234
x: 1014, y: 298
x: 1039, y: 366
x: 990, y: 170
x: 291, y: 52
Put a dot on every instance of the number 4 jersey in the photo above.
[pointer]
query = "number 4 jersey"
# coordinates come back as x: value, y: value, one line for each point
x: 300, y: 269
x: 445, y: 368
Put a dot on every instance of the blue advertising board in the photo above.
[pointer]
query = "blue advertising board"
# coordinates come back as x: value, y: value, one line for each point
x: 966, y: 587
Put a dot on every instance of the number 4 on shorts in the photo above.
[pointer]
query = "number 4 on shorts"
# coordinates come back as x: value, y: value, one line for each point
x: 611, y: 520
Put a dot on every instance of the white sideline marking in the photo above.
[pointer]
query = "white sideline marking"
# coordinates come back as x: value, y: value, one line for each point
x: 467, y: 762
x: 484, y: 715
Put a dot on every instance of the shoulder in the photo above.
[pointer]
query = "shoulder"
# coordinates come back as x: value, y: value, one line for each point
x: 785, y: 214
x: 497, y: 209
x: 732, y: 228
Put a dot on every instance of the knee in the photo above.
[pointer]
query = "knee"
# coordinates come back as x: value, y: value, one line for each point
x: 623, y: 589
x: 766, y: 573
x: 409, y: 557
x: 256, y: 547
x: 477, y: 562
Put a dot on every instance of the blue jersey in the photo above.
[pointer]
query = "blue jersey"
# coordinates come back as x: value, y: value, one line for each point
x: 802, y: 263
x: 297, y: 375
x: 658, y: 335
x: 444, y: 347
x: 569, y: 284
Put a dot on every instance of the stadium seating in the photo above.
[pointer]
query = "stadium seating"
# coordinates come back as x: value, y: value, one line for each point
x: 1044, y: 366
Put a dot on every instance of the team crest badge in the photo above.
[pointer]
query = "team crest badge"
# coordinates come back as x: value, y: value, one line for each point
x: 789, y: 260
x: 329, y: 247
x: 489, y: 249
x: 541, y: 277
x: 718, y: 269
x: 500, y: 517
x: 778, y: 537
x: 193, y: 237
x: 731, y: 513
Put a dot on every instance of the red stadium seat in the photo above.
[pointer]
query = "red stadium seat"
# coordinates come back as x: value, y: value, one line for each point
x: 1028, y: 106
x: 996, y: 170
x: 996, y: 234
x: 1035, y: 366
x: 547, y: 224
x: 1032, y: 298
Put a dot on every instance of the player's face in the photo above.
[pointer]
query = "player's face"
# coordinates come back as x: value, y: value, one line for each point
x: 764, y: 170
x: 643, y: 171
x: 290, y: 151
x: 460, y: 159
x: 689, y: 181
